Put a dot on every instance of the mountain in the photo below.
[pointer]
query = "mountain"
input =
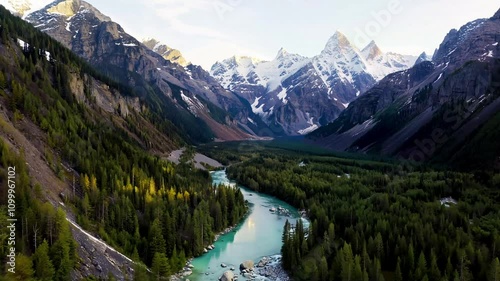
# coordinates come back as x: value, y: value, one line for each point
x: 299, y: 94
x: 423, y: 57
x: 165, y: 51
x: 435, y: 110
x: 96, y: 38
x: 22, y: 8
x: 86, y: 156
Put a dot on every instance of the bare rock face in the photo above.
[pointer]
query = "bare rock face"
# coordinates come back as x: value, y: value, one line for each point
x: 497, y: 15
x: 166, y: 52
x: 66, y: 8
x: 409, y: 106
x: 96, y: 38
x: 299, y: 94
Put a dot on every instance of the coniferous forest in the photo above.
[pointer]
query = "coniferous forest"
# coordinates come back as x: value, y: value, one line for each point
x: 151, y: 210
x: 373, y: 220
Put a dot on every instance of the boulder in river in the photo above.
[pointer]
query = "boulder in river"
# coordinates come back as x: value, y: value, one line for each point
x: 227, y: 276
x: 248, y: 265
x: 223, y: 265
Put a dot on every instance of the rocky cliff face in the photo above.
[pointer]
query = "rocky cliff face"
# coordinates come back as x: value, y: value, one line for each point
x: 165, y: 51
x: 453, y: 96
x: 300, y: 94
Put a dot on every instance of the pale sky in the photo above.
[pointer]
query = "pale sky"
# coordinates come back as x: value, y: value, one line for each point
x: 206, y: 31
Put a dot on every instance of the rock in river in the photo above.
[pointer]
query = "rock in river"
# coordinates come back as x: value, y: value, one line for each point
x: 248, y: 265
x: 227, y: 276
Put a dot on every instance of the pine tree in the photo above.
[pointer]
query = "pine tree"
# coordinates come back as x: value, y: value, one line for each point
x: 323, y: 269
x: 410, y: 262
x: 357, y: 273
x: 421, y: 269
x: 44, y: 270
x: 160, y: 266
x: 347, y: 262
x: 24, y: 268
x: 141, y: 273
x: 156, y: 239
x: 398, y: 275
x: 495, y: 270
x: 435, y: 273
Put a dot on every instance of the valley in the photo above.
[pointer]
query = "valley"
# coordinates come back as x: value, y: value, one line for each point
x: 121, y: 159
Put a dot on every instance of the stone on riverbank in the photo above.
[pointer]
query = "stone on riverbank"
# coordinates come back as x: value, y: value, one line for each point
x: 227, y: 276
x: 246, y: 265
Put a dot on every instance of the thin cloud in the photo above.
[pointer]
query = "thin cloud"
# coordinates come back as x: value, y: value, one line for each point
x: 173, y: 12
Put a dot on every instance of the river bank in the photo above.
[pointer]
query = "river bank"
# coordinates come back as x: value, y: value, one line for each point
x: 187, y: 270
x: 257, y: 236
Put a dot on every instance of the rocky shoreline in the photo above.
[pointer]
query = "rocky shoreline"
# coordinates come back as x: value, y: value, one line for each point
x: 187, y: 270
x: 270, y: 268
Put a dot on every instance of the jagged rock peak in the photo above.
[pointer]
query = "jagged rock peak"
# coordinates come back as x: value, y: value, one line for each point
x: 372, y: 51
x: 151, y: 43
x: 423, y: 57
x: 338, y: 40
x: 165, y: 51
x: 282, y: 53
x: 496, y: 15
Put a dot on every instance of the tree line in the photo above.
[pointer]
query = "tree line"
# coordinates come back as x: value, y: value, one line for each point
x: 380, y: 221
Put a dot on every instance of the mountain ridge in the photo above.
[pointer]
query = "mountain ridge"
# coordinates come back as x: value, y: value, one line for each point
x: 404, y: 109
x: 326, y: 83
x: 105, y: 44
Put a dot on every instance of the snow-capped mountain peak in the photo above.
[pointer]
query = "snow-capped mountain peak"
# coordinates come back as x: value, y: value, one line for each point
x: 337, y: 42
x: 24, y: 7
x: 281, y: 54
x: 423, y: 57
x: 371, y: 51
x: 246, y: 61
x: 297, y: 92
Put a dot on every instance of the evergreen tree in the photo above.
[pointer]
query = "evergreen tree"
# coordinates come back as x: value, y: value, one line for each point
x: 495, y: 270
x: 347, y: 263
x: 421, y: 269
x: 398, y: 275
x: 44, y: 270
x: 24, y: 268
x: 435, y: 273
x: 160, y: 266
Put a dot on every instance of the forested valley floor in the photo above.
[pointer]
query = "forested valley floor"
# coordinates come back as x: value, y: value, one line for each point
x: 375, y: 220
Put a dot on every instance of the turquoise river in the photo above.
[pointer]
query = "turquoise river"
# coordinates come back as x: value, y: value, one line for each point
x: 258, y: 235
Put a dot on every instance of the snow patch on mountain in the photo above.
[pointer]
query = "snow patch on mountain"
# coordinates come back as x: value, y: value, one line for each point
x: 332, y: 79
x: 256, y: 108
x: 254, y: 71
x: 23, y: 8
